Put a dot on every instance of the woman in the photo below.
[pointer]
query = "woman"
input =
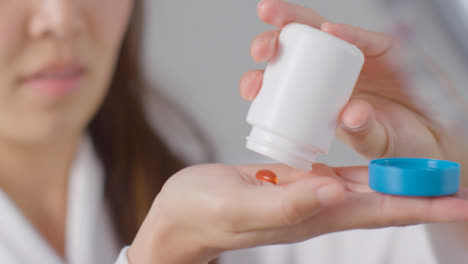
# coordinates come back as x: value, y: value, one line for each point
x: 60, y: 62
x: 80, y: 166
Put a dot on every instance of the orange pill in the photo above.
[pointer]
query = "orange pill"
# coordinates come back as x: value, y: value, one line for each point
x: 267, y: 175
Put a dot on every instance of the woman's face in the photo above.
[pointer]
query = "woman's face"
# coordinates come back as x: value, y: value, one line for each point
x: 56, y: 62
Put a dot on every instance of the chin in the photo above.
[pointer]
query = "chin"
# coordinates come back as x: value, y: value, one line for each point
x: 46, y: 132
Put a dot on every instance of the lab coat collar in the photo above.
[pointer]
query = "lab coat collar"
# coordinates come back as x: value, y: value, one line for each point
x: 89, y: 236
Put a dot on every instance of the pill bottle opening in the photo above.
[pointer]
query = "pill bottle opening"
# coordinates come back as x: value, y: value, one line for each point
x: 281, y: 149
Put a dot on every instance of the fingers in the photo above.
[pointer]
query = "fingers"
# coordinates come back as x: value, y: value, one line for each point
x: 361, y: 130
x: 250, y: 84
x: 372, y: 44
x: 287, y: 174
x: 398, y: 210
x: 267, y: 215
x: 356, y: 179
x: 264, y: 46
x: 375, y: 210
x: 352, y: 178
x: 318, y: 204
x: 297, y: 196
x: 358, y: 175
x: 277, y: 206
x: 280, y: 13
x: 372, y: 210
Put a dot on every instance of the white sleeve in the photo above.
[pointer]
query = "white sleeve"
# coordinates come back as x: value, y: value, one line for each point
x: 122, y: 259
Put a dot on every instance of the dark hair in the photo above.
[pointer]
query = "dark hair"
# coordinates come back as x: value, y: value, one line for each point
x: 136, y: 161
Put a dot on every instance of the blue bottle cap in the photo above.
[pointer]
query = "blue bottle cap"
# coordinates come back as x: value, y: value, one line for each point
x: 414, y: 177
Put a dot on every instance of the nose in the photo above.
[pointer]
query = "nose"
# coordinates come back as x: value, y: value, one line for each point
x: 60, y: 19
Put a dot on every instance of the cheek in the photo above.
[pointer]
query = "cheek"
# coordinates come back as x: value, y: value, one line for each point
x: 109, y: 21
x: 107, y: 24
x: 12, y: 24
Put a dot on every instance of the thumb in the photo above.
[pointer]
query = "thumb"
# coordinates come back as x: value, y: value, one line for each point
x: 361, y: 130
x: 276, y: 206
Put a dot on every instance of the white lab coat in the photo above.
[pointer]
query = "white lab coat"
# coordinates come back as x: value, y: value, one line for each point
x: 421, y: 244
x: 90, y: 238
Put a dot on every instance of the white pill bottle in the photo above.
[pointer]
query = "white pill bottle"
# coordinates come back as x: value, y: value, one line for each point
x: 295, y: 115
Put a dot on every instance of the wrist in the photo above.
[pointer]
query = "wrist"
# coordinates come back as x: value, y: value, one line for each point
x: 162, y: 241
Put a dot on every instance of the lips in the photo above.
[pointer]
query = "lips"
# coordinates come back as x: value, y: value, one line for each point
x: 56, y: 79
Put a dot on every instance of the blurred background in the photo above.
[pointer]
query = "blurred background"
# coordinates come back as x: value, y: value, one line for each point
x: 196, y: 52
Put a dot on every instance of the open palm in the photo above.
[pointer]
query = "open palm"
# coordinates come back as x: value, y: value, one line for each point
x: 208, y: 209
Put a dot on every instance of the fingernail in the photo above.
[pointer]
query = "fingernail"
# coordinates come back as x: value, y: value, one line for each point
x: 353, y: 128
x: 260, y: 5
x: 250, y: 94
x: 325, y: 25
x: 329, y: 194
